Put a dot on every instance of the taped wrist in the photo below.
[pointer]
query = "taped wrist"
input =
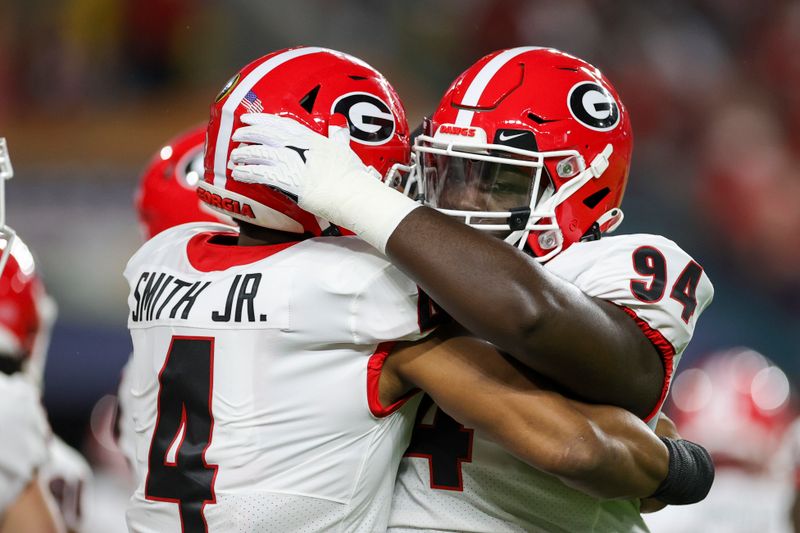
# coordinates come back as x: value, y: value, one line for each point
x: 360, y: 202
x: 690, y: 474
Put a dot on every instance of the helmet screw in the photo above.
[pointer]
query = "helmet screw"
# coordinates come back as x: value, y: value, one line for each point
x: 548, y: 240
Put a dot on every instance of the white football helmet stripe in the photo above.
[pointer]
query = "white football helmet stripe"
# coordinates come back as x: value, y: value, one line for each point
x: 481, y: 81
x: 236, y: 97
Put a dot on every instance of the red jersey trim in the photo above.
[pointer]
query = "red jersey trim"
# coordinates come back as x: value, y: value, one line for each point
x: 664, y: 347
x: 207, y: 256
x: 374, y: 369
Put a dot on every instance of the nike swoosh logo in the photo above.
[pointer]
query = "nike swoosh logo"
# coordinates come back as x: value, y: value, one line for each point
x: 504, y: 137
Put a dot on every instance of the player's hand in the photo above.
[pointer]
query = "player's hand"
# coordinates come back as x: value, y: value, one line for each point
x: 325, y: 175
x: 282, y: 153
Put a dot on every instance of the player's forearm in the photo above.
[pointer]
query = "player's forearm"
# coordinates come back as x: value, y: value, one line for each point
x: 627, y: 461
x: 472, y: 275
x: 549, y: 325
x: 603, y: 451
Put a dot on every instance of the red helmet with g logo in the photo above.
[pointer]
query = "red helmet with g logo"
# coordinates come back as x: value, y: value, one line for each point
x: 309, y: 85
x: 530, y: 142
x: 166, y: 194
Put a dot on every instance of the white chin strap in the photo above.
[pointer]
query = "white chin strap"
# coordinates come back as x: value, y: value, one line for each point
x: 6, y: 233
x: 552, y: 238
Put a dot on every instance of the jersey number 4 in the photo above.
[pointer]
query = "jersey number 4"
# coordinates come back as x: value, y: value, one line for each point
x: 649, y: 261
x: 177, y: 471
x: 445, y: 444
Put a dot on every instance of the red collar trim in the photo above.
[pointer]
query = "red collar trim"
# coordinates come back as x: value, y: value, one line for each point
x: 374, y: 370
x: 665, y: 349
x: 207, y: 256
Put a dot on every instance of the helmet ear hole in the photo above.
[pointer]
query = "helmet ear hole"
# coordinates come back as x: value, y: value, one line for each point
x: 307, y: 102
x: 596, y: 197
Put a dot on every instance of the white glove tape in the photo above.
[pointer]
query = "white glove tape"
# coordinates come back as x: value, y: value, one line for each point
x: 358, y: 201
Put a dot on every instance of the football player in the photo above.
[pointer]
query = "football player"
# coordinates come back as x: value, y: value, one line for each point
x: 262, y: 393
x: 66, y: 474
x: 25, y: 504
x: 534, y: 145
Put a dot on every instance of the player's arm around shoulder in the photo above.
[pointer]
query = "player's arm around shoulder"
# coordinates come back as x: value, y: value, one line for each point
x: 548, y: 317
x: 624, y: 308
x: 604, y: 451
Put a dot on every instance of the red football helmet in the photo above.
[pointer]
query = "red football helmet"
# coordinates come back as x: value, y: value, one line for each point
x: 737, y: 403
x: 166, y: 195
x: 26, y: 312
x: 530, y: 141
x: 310, y: 85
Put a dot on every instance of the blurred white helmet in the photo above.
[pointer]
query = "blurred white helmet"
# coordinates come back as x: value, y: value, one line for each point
x: 737, y: 404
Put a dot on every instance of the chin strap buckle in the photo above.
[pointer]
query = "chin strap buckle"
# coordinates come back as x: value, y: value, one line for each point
x: 610, y: 220
x: 331, y: 231
x: 600, y: 162
x: 519, y: 218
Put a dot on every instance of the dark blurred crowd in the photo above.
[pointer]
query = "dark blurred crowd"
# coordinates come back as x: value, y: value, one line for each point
x: 713, y: 85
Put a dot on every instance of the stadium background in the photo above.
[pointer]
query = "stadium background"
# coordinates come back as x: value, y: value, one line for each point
x: 90, y: 89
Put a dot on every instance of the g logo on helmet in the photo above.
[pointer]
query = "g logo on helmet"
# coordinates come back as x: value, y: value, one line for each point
x: 370, y: 119
x: 593, y: 106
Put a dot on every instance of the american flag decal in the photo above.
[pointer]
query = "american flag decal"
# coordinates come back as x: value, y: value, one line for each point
x: 252, y: 103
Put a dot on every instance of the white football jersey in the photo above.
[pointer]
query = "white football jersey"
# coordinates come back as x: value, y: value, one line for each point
x: 123, y: 422
x: 254, y: 383
x: 454, y: 479
x: 23, y: 447
x: 67, y: 476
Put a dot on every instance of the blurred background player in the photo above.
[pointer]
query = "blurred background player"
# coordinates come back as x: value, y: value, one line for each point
x: 25, y: 501
x: 166, y: 195
x: 66, y: 474
x: 739, y: 405
x: 788, y: 464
